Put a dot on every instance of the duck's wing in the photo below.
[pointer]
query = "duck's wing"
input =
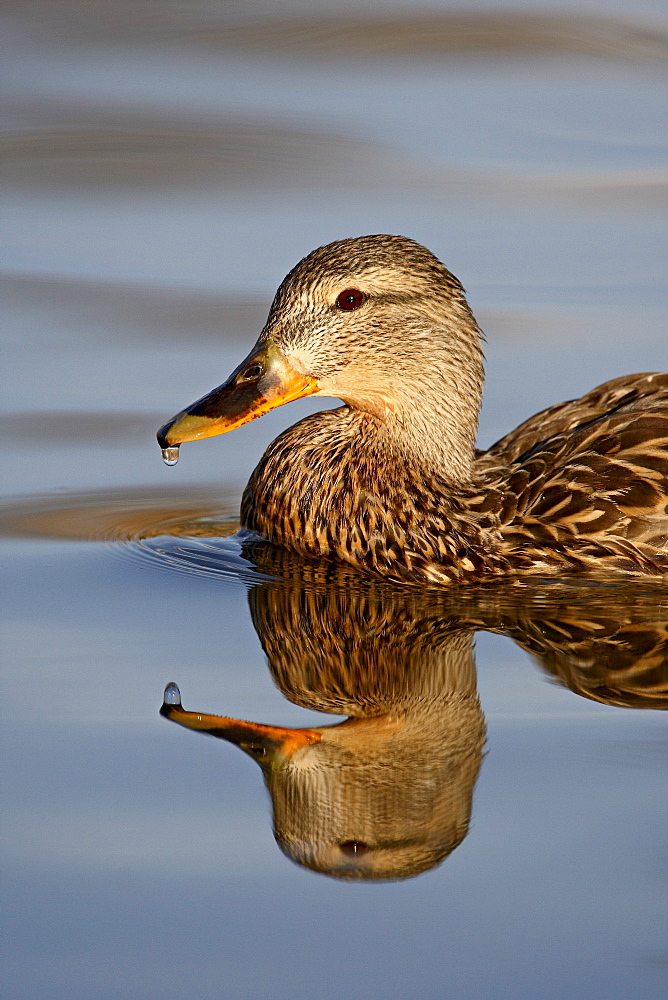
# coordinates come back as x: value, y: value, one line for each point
x: 587, y: 484
x: 599, y: 403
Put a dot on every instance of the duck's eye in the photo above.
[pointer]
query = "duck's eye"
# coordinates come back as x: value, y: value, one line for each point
x: 350, y: 299
x: 253, y: 371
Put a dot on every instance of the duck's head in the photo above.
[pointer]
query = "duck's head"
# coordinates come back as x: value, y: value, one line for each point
x: 376, y: 321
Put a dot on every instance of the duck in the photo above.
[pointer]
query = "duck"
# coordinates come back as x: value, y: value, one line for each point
x: 391, y: 482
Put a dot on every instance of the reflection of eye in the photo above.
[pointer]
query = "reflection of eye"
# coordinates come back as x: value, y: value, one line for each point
x: 256, y: 751
x: 350, y: 299
x: 253, y: 371
x: 354, y: 847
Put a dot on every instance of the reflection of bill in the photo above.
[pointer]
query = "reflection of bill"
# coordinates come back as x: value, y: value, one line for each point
x: 388, y: 792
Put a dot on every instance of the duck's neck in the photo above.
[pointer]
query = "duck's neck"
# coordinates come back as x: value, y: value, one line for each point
x: 428, y: 416
x: 436, y: 430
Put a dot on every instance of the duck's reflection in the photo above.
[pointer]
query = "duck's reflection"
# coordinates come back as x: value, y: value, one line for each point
x: 387, y: 793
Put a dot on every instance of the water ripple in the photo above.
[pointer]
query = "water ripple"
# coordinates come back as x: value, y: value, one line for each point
x: 212, y: 558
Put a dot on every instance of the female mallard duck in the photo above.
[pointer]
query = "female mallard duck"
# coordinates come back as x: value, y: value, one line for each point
x: 391, y: 481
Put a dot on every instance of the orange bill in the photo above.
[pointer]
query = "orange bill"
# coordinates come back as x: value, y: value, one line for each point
x: 266, y: 744
x: 263, y: 381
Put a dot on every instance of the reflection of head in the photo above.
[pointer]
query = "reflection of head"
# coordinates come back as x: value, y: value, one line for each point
x: 388, y: 793
x: 381, y: 798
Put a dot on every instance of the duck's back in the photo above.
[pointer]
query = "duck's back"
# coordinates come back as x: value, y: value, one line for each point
x: 586, y: 482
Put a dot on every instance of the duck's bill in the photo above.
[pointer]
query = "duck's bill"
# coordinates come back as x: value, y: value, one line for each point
x: 266, y: 744
x: 263, y: 381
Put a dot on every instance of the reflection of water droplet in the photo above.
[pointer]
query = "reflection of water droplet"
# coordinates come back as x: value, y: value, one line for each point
x: 172, y: 694
x: 170, y: 456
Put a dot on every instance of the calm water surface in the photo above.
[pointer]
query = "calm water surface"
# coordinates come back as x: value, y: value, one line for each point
x: 490, y: 823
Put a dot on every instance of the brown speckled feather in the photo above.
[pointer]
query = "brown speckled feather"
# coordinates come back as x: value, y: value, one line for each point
x: 591, y: 493
x: 318, y: 490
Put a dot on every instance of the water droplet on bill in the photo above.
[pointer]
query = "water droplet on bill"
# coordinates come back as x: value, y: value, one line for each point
x: 172, y: 694
x: 170, y: 456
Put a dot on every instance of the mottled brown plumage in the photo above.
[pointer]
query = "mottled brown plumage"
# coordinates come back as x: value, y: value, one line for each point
x: 391, y: 482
